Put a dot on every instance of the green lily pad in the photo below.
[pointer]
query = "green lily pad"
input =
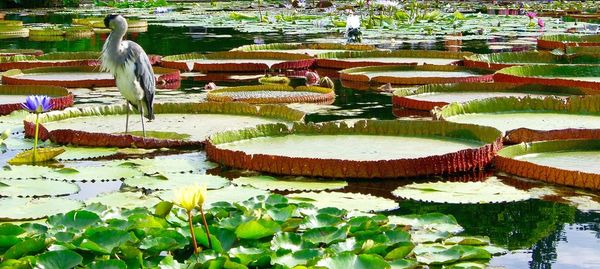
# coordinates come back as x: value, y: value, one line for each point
x: 36, y: 156
x: 164, y: 165
x: 490, y: 191
x: 29, y: 209
x: 77, y: 219
x: 349, y: 260
x: 173, y: 181
x: 23, y: 171
x: 104, y: 240
x: 326, y: 235
x: 85, y: 153
x: 271, y: 183
x: 35, y: 188
x: 291, y: 241
x: 124, y: 200
x: 429, y: 221
x: 256, y: 229
x: 108, y: 264
x: 468, y: 240
x: 93, y: 173
x: 348, y: 201
x: 296, y: 258
x: 230, y: 194
x: 162, y: 135
x: 59, y: 259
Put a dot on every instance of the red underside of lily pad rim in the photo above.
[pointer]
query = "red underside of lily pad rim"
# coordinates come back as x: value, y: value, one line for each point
x: 58, y: 102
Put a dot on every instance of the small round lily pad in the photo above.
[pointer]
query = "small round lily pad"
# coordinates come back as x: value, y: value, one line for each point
x: 348, y: 201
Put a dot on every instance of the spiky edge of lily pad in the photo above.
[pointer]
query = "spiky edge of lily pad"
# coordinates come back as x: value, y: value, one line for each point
x: 327, y: 95
x: 297, y: 46
x: 290, y: 61
x: 82, y: 138
x: 497, y: 61
x: 350, y: 74
x: 550, y: 42
x: 536, y: 74
x: 402, y: 97
x: 61, y: 98
x: 12, y: 77
x: 574, y: 105
x: 13, y: 31
x: 464, y: 160
x: 336, y: 60
x: 505, y: 161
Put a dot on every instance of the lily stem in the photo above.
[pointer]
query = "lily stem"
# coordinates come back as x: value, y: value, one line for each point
x: 35, y: 139
x: 192, y: 232
x: 206, y: 228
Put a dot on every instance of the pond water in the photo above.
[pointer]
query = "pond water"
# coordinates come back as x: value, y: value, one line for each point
x: 541, y: 234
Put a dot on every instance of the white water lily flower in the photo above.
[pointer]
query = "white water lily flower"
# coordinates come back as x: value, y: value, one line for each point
x: 353, y: 21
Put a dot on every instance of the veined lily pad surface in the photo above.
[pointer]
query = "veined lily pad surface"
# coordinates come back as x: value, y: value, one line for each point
x: 429, y: 96
x: 497, y: 61
x: 345, y: 151
x: 265, y: 94
x: 529, y: 119
x: 342, y: 60
x: 568, y: 162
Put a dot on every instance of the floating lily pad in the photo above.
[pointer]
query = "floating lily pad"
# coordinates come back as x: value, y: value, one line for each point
x: 497, y: 61
x: 429, y: 96
x: 430, y: 221
x: 75, y: 77
x: 269, y: 94
x: 230, y: 194
x: 85, y: 153
x: 349, y: 59
x: 567, y: 162
x: 12, y: 97
x: 550, y: 42
x: 412, y: 75
x: 348, y: 201
x: 337, y: 150
x: 92, y: 173
x: 306, y: 48
x: 127, y: 200
x: 82, y: 58
x: 173, y: 181
x: 165, y: 165
x: 29, y: 209
x: 102, y: 126
x: 24, y: 171
x: 491, y: 190
x: 583, y: 76
x: 300, y: 184
x: 35, y: 188
x: 237, y: 61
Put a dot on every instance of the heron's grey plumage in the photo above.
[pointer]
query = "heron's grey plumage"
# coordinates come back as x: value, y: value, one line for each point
x: 130, y: 66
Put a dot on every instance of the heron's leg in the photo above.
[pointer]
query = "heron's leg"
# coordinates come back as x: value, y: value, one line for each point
x: 142, y: 118
x: 127, y: 117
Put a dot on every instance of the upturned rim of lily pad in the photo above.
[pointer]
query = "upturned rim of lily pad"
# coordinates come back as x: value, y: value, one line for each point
x: 561, y: 41
x: 288, y: 61
x: 497, y: 61
x: 555, y: 75
x: 326, y: 95
x: 337, y: 60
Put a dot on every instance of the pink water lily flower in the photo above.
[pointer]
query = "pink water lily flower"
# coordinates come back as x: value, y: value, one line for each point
x: 532, y: 15
x: 312, y: 78
x: 541, y: 23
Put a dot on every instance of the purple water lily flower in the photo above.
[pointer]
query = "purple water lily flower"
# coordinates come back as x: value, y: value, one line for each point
x: 532, y: 15
x: 37, y: 103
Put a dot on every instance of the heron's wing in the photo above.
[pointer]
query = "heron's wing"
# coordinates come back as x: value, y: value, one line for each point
x: 143, y: 73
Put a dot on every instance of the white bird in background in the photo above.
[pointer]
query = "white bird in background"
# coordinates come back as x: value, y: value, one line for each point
x: 129, y: 64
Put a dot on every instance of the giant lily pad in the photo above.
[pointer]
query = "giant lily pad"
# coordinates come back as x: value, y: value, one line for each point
x: 127, y: 200
x: 12, y: 97
x: 76, y: 77
x: 497, y: 61
x: 530, y: 119
x: 550, y: 42
x: 35, y: 188
x: 82, y: 58
x: 583, y: 76
x: 85, y: 153
x: 567, y: 162
x: 438, y: 95
x: 306, y: 48
x: 482, y: 192
x: 92, y: 173
x: 237, y: 61
x: 23, y: 171
x: 369, y: 149
x: 230, y: 194
x: 167, y: 165
x: 411, y: 75
x: 348, y: 201
x: 268, y: 94
x: 173, y: 181
x: 13, y: 31
x: 29, y: 209
x: 349, y: 59
x: 102, y: 126
x: 300, y: 184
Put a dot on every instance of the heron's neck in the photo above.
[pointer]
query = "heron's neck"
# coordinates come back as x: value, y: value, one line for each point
x: 114, y: 39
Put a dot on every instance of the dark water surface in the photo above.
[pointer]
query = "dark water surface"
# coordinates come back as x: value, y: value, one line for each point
x: 542, y: 234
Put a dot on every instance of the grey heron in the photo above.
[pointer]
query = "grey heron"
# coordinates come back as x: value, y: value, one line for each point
x: 129, y: 64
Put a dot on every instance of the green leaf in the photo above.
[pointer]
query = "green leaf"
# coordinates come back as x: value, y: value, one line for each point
x: 326, y: 235
x: 256, y: 229
x: 77, y: 219
x: 43, y: 155
x: 26, y: 247
x: 287, y: 240
x: 169, y: 263
x: 298, y: 184
x: 85, y: 153
x: 172, y: 181
x: 348, y: 201
x: 296, y: 258
x: 104, y: 240
x: 163, y: 209
x: 403, y: 264
x: 202, y: 239
x: 7, y: 241
x: 468, y: 240
x: 349, y: 260
x: 91, y: 173
x: 319, y: 220
x: 108, y: 264
x: 401, y: 250
x: 60, y: 259
x: 36, y: 188
x: 28, y: 209
x: 10, y: 229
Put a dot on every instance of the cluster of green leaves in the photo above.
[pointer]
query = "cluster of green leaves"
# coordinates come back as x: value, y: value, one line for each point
x: 262, y: 232
x: 131, y: 4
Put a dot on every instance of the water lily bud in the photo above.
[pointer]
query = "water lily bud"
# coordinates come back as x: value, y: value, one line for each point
x: 210, y: 86
x: 312, y: 78
x: 190, y: 197
x: 326, y: 82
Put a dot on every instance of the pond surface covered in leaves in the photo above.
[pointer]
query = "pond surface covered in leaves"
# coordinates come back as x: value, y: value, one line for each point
x: 541, y: 233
